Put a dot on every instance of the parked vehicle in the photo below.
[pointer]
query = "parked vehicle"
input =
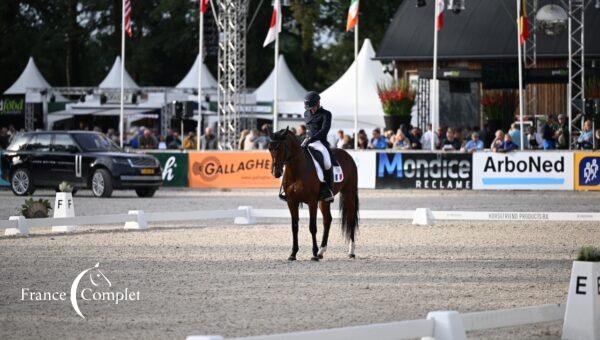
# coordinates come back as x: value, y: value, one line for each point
x: 83, y: 158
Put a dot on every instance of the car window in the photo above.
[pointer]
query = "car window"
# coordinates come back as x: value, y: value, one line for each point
x: 19, y: 143
x: 95, y: 142
x: 64, y: 143
x: 40, y: 142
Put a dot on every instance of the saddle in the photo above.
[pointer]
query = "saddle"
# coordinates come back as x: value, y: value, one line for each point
x: 317, y: 157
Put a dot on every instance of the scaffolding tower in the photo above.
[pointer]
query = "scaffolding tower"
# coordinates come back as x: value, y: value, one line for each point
x: 231, y: 23
x: 576, y: 86
x: 530, y: 57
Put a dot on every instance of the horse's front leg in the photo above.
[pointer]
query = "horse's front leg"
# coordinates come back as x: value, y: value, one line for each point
x: 326, y: 212
x: 312, y: 209
x: 293, y: 206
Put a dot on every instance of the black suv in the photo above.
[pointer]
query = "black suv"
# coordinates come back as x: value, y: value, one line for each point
x: 84, y: 159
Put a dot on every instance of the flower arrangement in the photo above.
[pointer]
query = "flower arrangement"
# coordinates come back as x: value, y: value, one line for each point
x: 397, y: 98
x: 499, y: 105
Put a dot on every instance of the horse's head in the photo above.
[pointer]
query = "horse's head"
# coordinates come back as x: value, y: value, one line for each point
x: 280, y: 149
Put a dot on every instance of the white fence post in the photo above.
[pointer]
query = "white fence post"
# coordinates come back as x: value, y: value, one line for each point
x: 204, y: 337
x: 141, y: 221
x: 248, y: 217
x: 64, y: 207
x: 582, y: 317
x: 21, y: 229
x: 423, y: 216
x: 448, y: 326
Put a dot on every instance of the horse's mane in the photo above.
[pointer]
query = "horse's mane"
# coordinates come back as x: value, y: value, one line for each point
x: 284, y: 134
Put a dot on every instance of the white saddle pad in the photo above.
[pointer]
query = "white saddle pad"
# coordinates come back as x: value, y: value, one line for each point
x: 338, y: 174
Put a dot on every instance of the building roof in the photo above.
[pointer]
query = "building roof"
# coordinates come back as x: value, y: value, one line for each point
x: 113, y: 78
x: 289, y: 87
x: 487, y: 29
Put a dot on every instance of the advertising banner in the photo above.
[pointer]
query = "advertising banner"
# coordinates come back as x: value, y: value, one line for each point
x: 440, y: 171
x: 175, y: 168
x: 587, y: 176
x: 12, y: 105
x: 544, y: 170
x: 365, y: 162
x: 231, y: 170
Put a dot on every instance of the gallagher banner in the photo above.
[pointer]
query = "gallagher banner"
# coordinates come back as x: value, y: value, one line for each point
x: 587, y: 174
x: 450, y: 171
x: 231, y: 170
x: 175, y: 168
x: 544, y: 170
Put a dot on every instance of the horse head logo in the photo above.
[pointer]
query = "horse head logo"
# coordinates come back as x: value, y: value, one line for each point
x: 96, y: 278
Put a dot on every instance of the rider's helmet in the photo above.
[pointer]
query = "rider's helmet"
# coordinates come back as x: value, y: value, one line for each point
x: 311, y: 99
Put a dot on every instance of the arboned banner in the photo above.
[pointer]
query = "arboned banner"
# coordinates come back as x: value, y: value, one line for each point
x: 175, y: 168
x: 547, y: 170
x: 231, y: 170
x: 449, y: 171
x: 587, y: 174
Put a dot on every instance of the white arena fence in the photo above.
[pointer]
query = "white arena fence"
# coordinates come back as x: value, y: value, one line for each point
x: 440, y: 325
x: 138, y: 219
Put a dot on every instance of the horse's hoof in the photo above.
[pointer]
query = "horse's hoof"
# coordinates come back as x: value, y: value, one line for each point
x: 292, y: 258
x: 314, y: 258
x: 351, y: 256
x: 320, y: 256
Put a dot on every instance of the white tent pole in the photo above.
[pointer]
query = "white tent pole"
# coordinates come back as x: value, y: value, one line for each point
x: 356, y: 86
x: 200, y: 64
x: 276, y: 90
x: 434, y: 87
x: 121, y: 118
x: 519, y: 48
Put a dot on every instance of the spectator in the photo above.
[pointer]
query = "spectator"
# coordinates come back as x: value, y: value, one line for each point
x: 532, y: 141
x: 597, y: 134
x: 189, y: 142
x: 562, y: 133
x: 162, y: 144
x: 401, y: 142
x: 97, y: 129
x: 450, y: 143
x: 250, y: 141
x: 363, y: 140
x: 301, y: 132
x: 208, y: 141
x: 175, y: 142
x: 339, y: 143
x: 169, y: 137
x: 263, y: 138
x: 242, y: 140
x: 585, y: 140
x: 426, y: 139
x: 475, y: 144
x: 348, y: 143
x: 549, y: 134
x: 378, y: 141
x: 113, y: 136
x: 515, y: 134
x: 415, y: 138
x: 487, y: 136
x: 507, y: 145
x: 498, y: 141
x: 147, y: 140
x: 4, y: 138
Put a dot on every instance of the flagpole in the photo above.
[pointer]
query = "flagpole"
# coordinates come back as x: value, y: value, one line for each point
x: 434, y: 87
x: 121, y: 123
x: 519, y: 48
x: 200, y: 64
x: 276, y: 90
x: 356, y: 84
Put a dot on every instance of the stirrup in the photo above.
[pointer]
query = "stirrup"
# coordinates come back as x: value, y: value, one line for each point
x: 282, y: 197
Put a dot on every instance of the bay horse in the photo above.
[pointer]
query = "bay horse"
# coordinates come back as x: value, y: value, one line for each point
x: 301, y: 185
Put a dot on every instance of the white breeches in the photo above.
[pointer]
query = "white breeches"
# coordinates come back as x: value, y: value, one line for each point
x: 323, y: 150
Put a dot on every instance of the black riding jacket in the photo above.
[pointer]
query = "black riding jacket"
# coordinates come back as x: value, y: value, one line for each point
x: 318, y: 125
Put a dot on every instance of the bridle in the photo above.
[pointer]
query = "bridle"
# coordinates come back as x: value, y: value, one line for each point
x: 275, y: 144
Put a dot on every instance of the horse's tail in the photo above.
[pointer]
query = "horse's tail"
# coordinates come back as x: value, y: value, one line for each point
x: 349, y: 205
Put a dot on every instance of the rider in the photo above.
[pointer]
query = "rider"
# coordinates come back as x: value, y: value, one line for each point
x: 318, y: 123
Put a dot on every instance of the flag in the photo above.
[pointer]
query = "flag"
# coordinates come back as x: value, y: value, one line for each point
x: 352, y: 15
x: 523, y: 23
x: 204, y: 6
x: 440, y: 14
x: 128, y: 18
x: 275, y: 26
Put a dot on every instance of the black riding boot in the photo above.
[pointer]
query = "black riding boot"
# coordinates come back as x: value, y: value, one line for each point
x: 327, y: 189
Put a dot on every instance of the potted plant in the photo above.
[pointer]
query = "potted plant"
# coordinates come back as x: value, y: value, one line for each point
x: 499, y: 108
x: 35, y: 209
x: 583, y: 301
x: 397, y: 99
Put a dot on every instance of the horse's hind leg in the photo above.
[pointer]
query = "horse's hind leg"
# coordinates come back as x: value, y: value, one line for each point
x: 326, y: 212
x: 293, y: 206
x: 312, y: 208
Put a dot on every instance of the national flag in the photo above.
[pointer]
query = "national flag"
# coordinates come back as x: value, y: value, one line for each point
x: 352, y: 15
x: 128, y: 18
x: 275, y: 26
x: 440, y: 14
x: 523, y: 23
x: 204, y: 5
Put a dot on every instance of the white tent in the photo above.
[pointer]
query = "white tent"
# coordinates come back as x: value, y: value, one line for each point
x: 191, y: 78
x: 113, y: 78
x: 289, y: 88
x: 339, y: 97
x: 31, y: 77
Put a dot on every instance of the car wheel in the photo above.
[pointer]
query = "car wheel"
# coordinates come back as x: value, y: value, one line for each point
x: 20, y: 183
x: 145, y: 192
x: 102, y: 183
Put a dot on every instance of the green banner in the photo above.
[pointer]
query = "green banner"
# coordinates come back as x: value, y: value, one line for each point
x: 175, y: 168
x: 12, y: 105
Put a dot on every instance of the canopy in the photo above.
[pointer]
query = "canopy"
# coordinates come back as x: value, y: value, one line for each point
x: 191, y: 78
x: 113, y: 78
x: 31, y: 77
x: 339, y: 97
x: 289, y: 87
